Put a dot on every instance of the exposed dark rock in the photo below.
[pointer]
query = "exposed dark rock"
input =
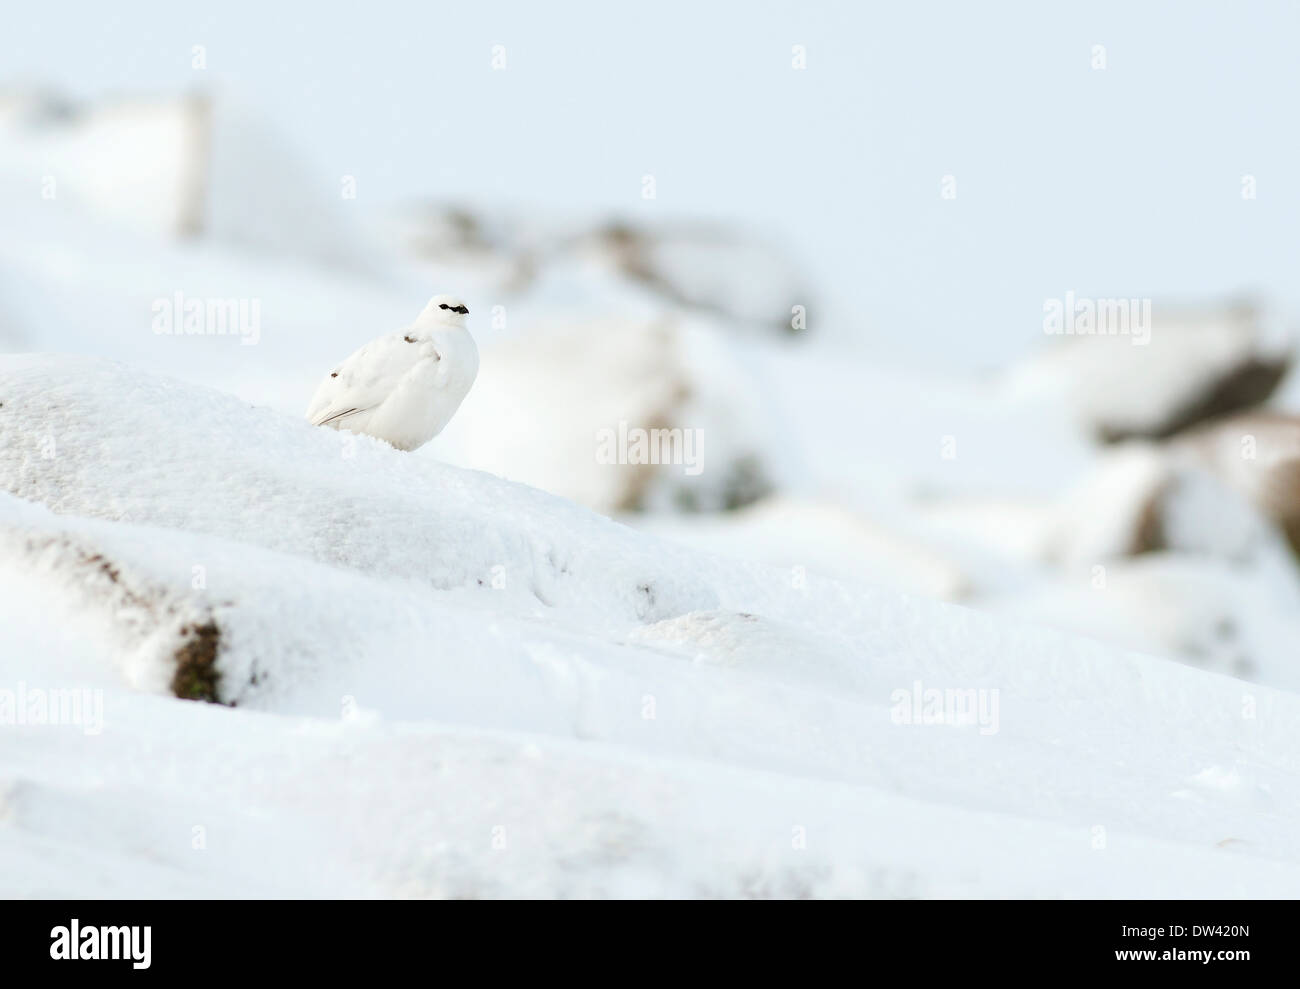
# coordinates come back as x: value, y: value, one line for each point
x: 197, y: 677
x: 1241, y: 387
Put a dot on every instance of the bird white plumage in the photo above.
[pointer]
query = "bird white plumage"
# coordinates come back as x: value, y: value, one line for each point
x: 404, y: 387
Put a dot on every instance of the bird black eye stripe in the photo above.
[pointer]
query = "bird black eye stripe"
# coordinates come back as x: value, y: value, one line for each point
x: 443, y: 305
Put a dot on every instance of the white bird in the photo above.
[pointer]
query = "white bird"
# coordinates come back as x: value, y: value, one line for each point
x: 404, y: 387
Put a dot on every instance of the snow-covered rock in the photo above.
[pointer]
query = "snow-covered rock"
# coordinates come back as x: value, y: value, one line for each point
x: 615, y: 414
x: 734, y: 275
x: 1257, y: 455
x: 179, y: 167
x: 1175, y: 367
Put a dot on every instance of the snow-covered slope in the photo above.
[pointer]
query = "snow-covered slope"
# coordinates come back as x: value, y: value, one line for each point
x: 448, y: 684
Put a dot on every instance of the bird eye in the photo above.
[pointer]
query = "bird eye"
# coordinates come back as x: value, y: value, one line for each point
x: 443, y: 305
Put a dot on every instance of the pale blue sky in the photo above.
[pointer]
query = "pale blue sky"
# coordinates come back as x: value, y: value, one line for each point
x: 1122, y: 181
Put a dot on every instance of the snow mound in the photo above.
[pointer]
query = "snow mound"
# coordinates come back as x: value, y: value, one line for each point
x: 95, y: 439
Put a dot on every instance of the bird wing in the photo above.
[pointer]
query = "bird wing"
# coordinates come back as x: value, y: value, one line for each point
x: 363, y: 381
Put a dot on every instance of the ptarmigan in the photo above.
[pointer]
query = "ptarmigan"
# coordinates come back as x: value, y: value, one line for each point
x: 404, y: 387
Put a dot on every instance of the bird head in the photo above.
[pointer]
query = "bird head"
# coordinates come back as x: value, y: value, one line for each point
x: 446, y: 309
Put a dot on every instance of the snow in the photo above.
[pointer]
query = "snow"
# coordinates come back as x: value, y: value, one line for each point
x: 447, y: 673
x: 448, y: 684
